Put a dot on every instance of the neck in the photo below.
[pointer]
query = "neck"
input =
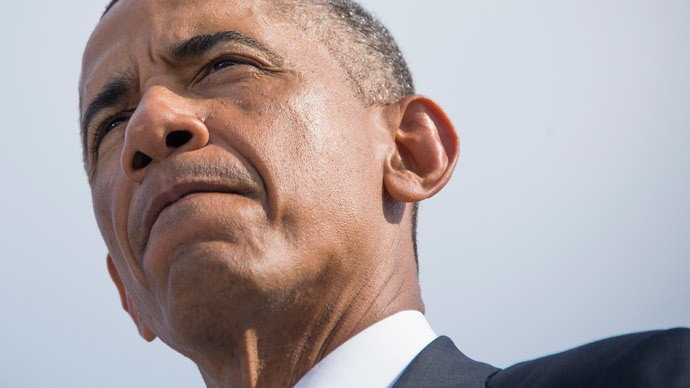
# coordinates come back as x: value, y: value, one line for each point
x: 270, y: 357
x: 286, y: 342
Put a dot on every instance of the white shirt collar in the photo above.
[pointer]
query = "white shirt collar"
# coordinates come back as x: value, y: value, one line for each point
x: 375, y: 357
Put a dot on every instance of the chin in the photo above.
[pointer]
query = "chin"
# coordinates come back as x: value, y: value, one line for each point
x: 214, y: 293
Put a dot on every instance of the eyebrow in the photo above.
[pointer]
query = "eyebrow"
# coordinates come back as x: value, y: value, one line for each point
x: 118, y: 88
x: 199, y: 45
x: 113, y: 93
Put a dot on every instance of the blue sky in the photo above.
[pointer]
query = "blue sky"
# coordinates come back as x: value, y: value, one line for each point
x: 567, y: 219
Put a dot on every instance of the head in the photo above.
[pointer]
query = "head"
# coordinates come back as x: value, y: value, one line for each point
x: 365, y: 50
x: 249, y: 159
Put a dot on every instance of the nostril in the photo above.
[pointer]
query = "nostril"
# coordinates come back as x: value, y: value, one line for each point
x: 177, y: 138
x: 140, y: 160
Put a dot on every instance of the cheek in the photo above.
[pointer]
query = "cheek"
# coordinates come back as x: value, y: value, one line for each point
x: 330, y: 154
x: 110, y: 197
x: 102, y: 197
x: 325, y: 166
x: 316, y: 155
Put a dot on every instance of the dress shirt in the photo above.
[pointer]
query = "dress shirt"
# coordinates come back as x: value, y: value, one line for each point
x: 375, y: 357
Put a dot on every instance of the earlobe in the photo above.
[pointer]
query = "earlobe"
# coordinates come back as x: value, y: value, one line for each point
x: 127, y: 303
x: 426, y: 150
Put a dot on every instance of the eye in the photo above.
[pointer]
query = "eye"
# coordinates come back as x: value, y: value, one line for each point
x: 116, y: 122
x: 106, y: 127
x: 112, y: 123
x: 226, y: 69
x: 223, y: 63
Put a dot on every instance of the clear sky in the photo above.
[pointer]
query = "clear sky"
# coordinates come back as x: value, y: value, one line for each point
x: 567, y: 220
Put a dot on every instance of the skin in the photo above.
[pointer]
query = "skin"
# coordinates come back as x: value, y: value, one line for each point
x: 280, y: 227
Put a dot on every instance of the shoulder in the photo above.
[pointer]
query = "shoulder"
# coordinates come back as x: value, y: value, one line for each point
x: 441, y: 364
x: 640, y: 360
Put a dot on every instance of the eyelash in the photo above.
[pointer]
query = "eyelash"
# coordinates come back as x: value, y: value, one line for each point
x: 108, y: 125
x: 215, y: 64
x: 224, y: 61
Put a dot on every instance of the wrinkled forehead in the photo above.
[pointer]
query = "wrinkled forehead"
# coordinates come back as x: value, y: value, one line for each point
x: 137, y: 32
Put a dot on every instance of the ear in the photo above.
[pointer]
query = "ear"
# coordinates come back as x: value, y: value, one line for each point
x: 426, y: 149
x: 127, y: 304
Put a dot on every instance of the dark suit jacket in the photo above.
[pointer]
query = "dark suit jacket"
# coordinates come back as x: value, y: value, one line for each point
x: 654, y: 359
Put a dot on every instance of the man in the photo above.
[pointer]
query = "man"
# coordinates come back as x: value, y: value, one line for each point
x: 254, y: 167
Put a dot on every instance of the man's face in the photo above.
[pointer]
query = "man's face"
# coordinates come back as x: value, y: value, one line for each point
x: 233, y: 169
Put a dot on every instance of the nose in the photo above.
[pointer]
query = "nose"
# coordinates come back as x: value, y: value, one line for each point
x: 162, y: 125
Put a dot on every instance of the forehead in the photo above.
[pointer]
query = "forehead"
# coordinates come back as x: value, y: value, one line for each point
x: 135, y: 34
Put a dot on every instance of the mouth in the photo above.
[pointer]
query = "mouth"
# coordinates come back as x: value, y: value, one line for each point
x: 174, y: 194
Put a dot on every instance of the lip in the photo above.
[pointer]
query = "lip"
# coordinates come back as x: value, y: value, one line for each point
x: 176, y: 192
